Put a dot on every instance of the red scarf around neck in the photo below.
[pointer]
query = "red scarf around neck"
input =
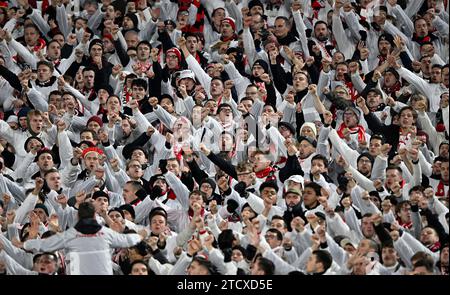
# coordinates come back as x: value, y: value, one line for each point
x: 265, y: 172
x: 360, y: 129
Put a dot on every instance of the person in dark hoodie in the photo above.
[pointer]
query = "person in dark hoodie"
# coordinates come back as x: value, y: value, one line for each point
x: 87, y: 244
x: 293, y: 198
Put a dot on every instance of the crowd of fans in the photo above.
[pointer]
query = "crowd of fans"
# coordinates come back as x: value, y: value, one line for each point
x: 224, y: 137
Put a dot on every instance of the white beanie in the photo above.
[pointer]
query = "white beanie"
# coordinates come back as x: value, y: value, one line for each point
x: 310, y: 125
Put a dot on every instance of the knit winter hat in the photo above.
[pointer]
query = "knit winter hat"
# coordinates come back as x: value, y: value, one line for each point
x: 92, y: 150
x: 354, y: 110
x: 133, y: 18
x: 263, y: 64
x: 175, y: 51
x: 95, y: 42
x: 42, y: 151
x: 210, y: 181
x: 254, y: 3
x: 95, y: 119
x: 310, y: 125
x: 230, y: 21
x: 23, y: 112
x: 43, y: 207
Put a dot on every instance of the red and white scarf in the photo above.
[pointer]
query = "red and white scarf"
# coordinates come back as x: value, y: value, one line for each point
x: 358, y: 129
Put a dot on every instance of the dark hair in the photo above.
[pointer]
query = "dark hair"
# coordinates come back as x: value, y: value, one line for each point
x: 378, y: 136
x: 277, y: 232
x: 323, y: 257
x: 394, y: 167
x: 212, y: 270
x: 316, y: 187
x: 266, y: 265
x: 139, y: 83
x: 86, y: 210
x: 322, y: 158
x: 139, y: 262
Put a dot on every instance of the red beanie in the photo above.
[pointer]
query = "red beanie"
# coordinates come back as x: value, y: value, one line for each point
x: 92, y: 150
x: 175, y: 51
x: 230, y: 21
x: 95, y: 119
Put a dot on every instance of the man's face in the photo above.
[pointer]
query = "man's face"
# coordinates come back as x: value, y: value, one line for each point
x: 271, y: 239
x: 43, y: 73
x: 305, y: 149
x: 116, y: 217
x: 436, y: 75
x: 135, y: 170
x: 139, y: 92
x: 91, y: 161
x: 428, y: 236
x: 389, y: 256
x: 367, y: 227
x: 252, y: 92
x: 373, y: 100
x: 36, y: 123
x: 172, y: 61
x: 309, y: 197
x: 300, y: 82
x: 158, y: 224
x: 139, y: 156
x: 101, y: 204
x: 127, y: 23
x: 173, y: 166
x: 53, y: 181
x: 350, y: 119
x: 406, y: 118
x: 196, y: 268
x: 128, y: 193
x: 96, y: 51
x: 319, y: 165
x: 260, y: 163
x: 279, y: 224
x: 389, y: 79
x: 226, y: 115
x: 393, y: 176
x: 45, y: 264
x: 257, y: 70
x: 31, y: 36
x: 143, y: 52
x: 236, y: 255
x: 321, y: 32
x: 365, y: 166
x: 341, y: 70
x: 405, y: 213
x: 192, y: 44
x: 311, y: 265
x: 162, y: 184
x: 132, y: 40
x: 292, y: 199
x: 421, y: 28
x: 54, y: 50
x: 94, y: 126
x: 384, y: 47
x: 195, y: 198
x: 216, y: 88
x: 88, y: 79
x: 56, y: 100
x: 281, y: 28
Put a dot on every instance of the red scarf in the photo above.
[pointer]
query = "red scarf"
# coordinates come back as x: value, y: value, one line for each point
x: 440, y: 192
x: 407, y: 225
x: 268, y: 172
x: 360, y: 129
x: 393, y: 89
x: 435, y: 247
x: 145, y: 66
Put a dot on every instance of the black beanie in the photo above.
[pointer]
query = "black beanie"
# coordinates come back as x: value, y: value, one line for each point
x: 368, y: 156
x: 254, y: 3
x: 43, y: 207
x: 30, y: 138
x: 210, y: 181
x: 263, y: 64
x: 129, y: 208
x: 95, y: 42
